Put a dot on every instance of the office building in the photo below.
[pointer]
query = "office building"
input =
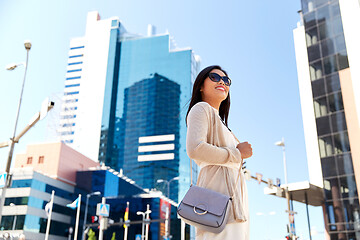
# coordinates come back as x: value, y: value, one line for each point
x: 328, y: 63
x: 126, y: 98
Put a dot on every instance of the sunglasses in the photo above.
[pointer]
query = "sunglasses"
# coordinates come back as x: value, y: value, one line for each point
x: 216, y: 78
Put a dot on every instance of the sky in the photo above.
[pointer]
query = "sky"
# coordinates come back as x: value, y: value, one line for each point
x: 251, y: 40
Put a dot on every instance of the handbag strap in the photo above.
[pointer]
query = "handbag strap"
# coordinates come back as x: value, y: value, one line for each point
x: 238, y: 176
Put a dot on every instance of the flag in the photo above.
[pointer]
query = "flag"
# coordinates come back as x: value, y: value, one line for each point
x: 48, y: 208
x: 74, y: 204
x: 126, y: 215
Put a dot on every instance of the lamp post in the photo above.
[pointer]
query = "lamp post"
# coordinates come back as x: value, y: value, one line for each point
x: 27, y: 45
x: 144, y: 214
x: 291, y: 213
x: 15, y: 215
x: 168, y: 184
x: 97, y: 193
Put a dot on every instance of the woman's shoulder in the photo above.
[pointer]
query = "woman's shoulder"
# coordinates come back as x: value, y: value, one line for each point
x: 201, y: 106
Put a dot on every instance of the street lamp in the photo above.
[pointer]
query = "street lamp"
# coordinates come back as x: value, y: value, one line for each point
x: 27, y: 45
x: 168, y: 184
x: 291, y: 213
x: 97, y: 193
x: 144, y: 214
x: 15, y: 215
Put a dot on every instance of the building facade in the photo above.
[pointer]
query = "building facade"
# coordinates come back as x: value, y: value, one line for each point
x: 327, y: 55
x: 125, y: 102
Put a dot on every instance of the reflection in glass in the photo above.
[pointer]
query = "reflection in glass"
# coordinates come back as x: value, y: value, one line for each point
x: 323, y: 14
x: 345, y: 164
x: 316, y: 71
x: 327, y: 47
x: 318, y: 87
x: 335, y: 10
x: 335, y: 102
x: 338, y: 122
x: 341, y: 143
x: 309, y: 20
x: 311, y: 36
x: 313, y: 52
x: 333, y: 83
x: 342, y: 60
x: 325, y: 147
x: 348, y: 187
x: 323, y: 125
x: 328, y: 167
x: 324, y: 30
x: 337, y: 26
x: 320, y: 107
x: 330, y: 65
x: 340, y: 43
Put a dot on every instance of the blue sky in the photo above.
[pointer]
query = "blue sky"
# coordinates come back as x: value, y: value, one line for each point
x: 252, y: 40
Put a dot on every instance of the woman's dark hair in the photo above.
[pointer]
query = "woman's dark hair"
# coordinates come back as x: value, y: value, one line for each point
x: 196, y: 94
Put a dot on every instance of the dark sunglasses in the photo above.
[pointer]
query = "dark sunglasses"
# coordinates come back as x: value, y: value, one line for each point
x: 216, y: 78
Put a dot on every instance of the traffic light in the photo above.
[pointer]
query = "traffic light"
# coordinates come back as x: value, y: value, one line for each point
x: 94, y: 219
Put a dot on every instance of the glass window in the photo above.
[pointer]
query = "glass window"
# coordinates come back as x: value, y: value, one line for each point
x: 320, y: 107
x: 327, y: 47
x: 316, y: 70
x: 328, y: 167
x: 324, y: 30
x: 342, y: 60
x: 309, y: 20
x: 341, y: 143
x: 338, y: 122
x: 335, y: 10
x: 348, y: 187
x: 335, y: 102
x: 323, y: 125
x: 330, y: 65
x: 333, y: 83
x: 319, y: 3
x: 311, y: 36
x: 337, y: 26
x: 340, y: 43
x: 323, y: 14
x: 313, y: 52
x: 318, y: 88
x: 325, y: 147
x: 345, y: 164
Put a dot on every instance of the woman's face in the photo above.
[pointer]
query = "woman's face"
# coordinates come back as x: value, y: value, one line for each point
x: 214, y: 91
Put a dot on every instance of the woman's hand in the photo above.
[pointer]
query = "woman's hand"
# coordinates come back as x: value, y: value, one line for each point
x: 245, y: 149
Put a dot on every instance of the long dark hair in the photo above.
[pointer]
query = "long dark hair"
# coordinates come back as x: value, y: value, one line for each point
x: 196, y: 94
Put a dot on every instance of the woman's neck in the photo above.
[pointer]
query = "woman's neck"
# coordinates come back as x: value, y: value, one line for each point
x: 214, y: 104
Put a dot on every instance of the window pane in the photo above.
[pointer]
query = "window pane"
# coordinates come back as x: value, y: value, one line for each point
x: 316, y: 70
x: 335, y: 102
x: 337, y: 26
x: 313, y: 52
x: 327, y: 47
x: 345, y: 164
x: 340, y: 43
x: 342, y: 60
x: 341, y: 142
x: 318, y: 88
x: 324, y: 30
x: 323, y: 14
x: 325, y: 147
x: 309, y: 20
x: 338, y: 122
x: 323, y: 125
x: 330, y: 65
x: 311, y: 36
x: 348, y: 186
x: 328, y: 167
x: 333, y: 83
x: 335, y: 10
x: 320, y: 107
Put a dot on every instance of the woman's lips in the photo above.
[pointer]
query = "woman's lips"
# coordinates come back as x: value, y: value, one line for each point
x: 220, y: 88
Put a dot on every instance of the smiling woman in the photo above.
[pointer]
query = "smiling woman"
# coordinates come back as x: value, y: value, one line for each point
x: 213, y: 147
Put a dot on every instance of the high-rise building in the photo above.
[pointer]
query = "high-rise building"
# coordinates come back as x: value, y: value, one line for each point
x: 328, y: 62
x: 126, y: 97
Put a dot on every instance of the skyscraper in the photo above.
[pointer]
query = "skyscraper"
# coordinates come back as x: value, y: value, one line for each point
x: 129, y: 96
x: 328, y: 62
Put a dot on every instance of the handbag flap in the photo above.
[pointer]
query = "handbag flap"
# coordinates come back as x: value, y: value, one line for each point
x: 206, y: 200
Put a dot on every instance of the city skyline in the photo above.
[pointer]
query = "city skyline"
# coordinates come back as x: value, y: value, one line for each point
x: 265, y: 104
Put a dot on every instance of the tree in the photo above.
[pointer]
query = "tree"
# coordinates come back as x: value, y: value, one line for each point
x: 91, y: 235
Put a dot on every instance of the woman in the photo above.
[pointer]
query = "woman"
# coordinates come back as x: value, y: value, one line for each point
x: 210, y: 143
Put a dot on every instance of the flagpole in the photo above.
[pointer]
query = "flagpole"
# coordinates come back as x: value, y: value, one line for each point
x: 125, y: 219
x: 77, y: 218
x: 49, y: 217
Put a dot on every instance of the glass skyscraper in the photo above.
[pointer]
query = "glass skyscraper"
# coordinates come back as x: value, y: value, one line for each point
x: 327, y: 63
x: 131, y: 100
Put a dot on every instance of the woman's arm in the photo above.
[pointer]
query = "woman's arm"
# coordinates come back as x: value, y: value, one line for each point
x: 197, y: 147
